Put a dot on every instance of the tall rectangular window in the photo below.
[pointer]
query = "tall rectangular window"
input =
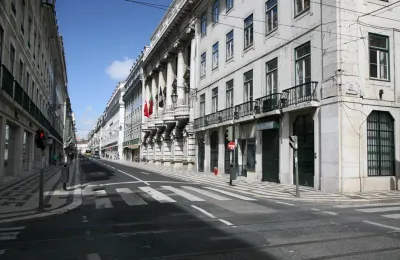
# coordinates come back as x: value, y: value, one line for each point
x: 12, y: 59
x: 248, y: 86
x: 20, y: 71
x: 215, y: 56
x: 34, y: 45
x: 204, y: 24
x: 378, y: 57
x: 23, y: 5
x: 301, y: 6
x: 214, y: 100
x: 303, y: 64
x: 215, y: 12
x: 248, y: 31
x: 33, y: 91
x: 1, y: 44
x: 229, y: 45
x: 202, y: 105
x: 272, y: 76
x: 271, y: 15
x: 229, y: 5
x: 229, y: 93
x: 29, y: 31
x: 27, y: 83
x: 203, y: 65
x: 13, y: 7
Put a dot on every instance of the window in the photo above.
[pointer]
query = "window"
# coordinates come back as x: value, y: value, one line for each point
x: 229, y: 5
x: 229, y: 93
x: 12, y: 58
x: 23, y: 16
x: 204, y: 24
x: 380, y: 144
x: 215, y: 12
x: 271, y: 15
x: 33, y: 91
x: 29, y: 31
x: 13, y: 9
x: 248, y: 31
x: 215, y: 56
x: 301, y: 6
x: 20, y: 71
x: 27, y: 82
x: 214, y: 100
x: 272, y: 76
x: 34, y: 45
x: 248, y: 86
x: 229, y: 45
x: 378, y: 57
x: 303, y: 64
x: 202, y: 105
x: 203, y: 65
x: 1, y: 44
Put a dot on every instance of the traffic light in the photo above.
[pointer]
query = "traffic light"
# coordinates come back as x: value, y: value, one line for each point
x: 293, y: 142
x: 229, y: 134
x: 40, y: 139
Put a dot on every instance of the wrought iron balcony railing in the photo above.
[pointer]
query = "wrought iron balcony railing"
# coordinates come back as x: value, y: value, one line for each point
x: 245, y: 109
x: 8, y: 81
x: 269, y: 102
x: 305, y: 92
x: 198, y: 123
x: 211, y: 119
x: 226, y: 114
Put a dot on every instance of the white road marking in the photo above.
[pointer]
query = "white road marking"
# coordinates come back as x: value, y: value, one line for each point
x: 376, y: 210
x: 100, y: 193
x: 11, y: 229
x: 103, y: 203
x: 130, y: 198
x: 8, y: 236
x: 284, y: 203
x: 145, y: 182
x: 157, y: 195
x: 315, y: 209
x: 84, y: 219
x: 207, y: 193
x: 2, y: 251
x: 93, y: 256
x: 394, y: 216
x: 145, y: 173
x: 330, y: 213
x: 367, y: 205
x: 183, y: 193
x: 226, y: 222
x: 204, y: 211
x: 109, y: 184
x: 381, y: 225
x: 230, y: 194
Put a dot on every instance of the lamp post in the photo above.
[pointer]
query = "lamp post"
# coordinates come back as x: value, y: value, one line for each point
x: 174, y: 98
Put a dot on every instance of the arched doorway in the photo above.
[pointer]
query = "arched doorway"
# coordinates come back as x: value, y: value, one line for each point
x: 303, y: 128
x: 214, y: 150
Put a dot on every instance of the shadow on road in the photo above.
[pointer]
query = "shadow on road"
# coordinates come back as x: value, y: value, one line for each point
x: 93, y: 172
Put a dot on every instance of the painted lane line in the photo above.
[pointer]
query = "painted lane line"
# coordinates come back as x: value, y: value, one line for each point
x: 182, y: 193
x: 103, y: 203
x: 376, y: 210
x: 130, y: 198
x: 394, y: 216
x: 284, y: 203
x: 367, y: 205
x: 315, y: 209
x: 84, y: 219
x: 204, y: 212
x: 109, y: 184
x: 11, y: 229
x: 231, y: 194
x: 206, y: 193
x: 93, y: 256
x: 226, y: 222
x: 2, y: 251
x: 145, y: 182
x: 8, y: 236
x: 100, y: 193
x: 157, y: 195
x: 330, y: 213
x: 146, y: 173
x: 381, y: 225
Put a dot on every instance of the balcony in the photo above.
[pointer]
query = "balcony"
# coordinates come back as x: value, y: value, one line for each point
x: 211, y: 119
x: 226, y: 114
x: 7, y: 82
x: 169, y: 114
x: 245, y: 109
x: 182, y: 110
x: 305, y: 92
x: 269, y: 103
x: 198, y: 123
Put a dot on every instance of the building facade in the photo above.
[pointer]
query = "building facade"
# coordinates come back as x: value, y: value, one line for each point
x: 272, y: 69
x: 33, y: 80
x: 168, y: 66
x: 133, y: 112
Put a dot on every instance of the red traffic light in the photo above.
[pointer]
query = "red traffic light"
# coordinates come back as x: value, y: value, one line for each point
x: 41, y: 135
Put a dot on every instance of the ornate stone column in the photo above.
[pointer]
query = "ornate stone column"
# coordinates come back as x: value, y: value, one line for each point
x: 154, y: 79
x: 180, y: 80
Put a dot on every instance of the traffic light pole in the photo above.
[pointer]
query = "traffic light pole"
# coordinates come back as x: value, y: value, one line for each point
x: 296, y: 169
x: 41, y: 188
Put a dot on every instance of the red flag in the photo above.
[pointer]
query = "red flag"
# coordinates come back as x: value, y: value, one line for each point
x: 151, y: 105
x: 146, y: 110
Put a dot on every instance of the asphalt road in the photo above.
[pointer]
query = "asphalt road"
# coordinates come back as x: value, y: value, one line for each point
x: 131, y: 214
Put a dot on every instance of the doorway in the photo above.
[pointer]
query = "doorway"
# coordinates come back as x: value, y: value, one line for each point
x: 270, y: 155
x: 214, y: 150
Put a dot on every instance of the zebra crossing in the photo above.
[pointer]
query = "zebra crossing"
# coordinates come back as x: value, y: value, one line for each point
x: 164, y: 194
x: 9, y: 234
x: 386, y: 210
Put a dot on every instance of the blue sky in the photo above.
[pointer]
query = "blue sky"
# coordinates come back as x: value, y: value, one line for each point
x: 102, y: 38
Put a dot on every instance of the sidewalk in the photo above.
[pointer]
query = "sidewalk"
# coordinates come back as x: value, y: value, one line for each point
x: 19, y: 200
x: 269, y: 190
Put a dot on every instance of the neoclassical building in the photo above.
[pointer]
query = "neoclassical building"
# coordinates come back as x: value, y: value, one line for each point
x: 169, y: 65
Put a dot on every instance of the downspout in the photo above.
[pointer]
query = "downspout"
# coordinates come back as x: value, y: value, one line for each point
x: 319, y: 114
x: 340, y: 101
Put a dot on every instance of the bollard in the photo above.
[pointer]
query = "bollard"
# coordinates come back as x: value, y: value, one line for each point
x: 215, y: 171
x: 65, y: 175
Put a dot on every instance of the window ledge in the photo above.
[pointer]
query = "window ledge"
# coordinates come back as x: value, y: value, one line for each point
x: 215, y: 69
x: 272, y: 33
x: 379, y: 81
x: 230, y: 10
x: 302, y: 14
x: 248, y: 48
x: 230, y: 60
x: 215, y: 24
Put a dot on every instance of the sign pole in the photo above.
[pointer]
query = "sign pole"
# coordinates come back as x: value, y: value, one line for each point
x: 41, y: 188
x: 296, y: 168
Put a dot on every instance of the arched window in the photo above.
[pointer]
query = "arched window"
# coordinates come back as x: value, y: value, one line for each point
x: 380, y: 144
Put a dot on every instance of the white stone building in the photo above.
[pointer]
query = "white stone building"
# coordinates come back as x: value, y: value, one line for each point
x: 168, y: 66
x: 33, y: 86
x: 325, y: 72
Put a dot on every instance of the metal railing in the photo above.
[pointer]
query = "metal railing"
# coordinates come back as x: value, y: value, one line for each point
x: 211, y: 119
x: 245, y: 109
x: 269, y: 102
x: 8, y: 81
x: 198, y: 123
x: 18, y: 93
x: 305, y: 92
x: 226, y: 114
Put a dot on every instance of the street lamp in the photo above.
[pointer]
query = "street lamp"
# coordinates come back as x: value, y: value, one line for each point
x: 174, y: 97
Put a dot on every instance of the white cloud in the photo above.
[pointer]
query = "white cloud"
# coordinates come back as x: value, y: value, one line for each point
x: 119, y: 70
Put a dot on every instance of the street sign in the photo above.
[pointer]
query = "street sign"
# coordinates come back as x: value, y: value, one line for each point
x: 231, y: 146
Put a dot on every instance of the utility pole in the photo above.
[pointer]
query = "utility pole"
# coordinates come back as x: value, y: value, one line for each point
x: 293, y: 142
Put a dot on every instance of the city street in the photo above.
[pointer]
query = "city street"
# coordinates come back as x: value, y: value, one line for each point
x: 128, y: 213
